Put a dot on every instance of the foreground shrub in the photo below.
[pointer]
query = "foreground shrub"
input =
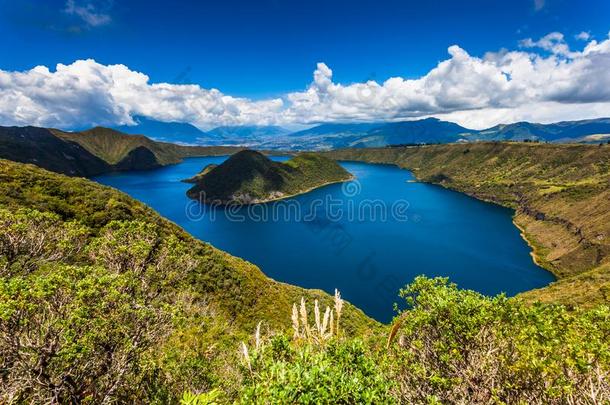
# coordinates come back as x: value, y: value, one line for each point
x: 97, y: 319
x: 339, y: 372
x: 316, y: 366
x: 74, y: 334
x: 458, y: 346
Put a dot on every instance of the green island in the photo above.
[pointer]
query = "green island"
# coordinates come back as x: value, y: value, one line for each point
x: 249, y: 177
x: 103, y: 300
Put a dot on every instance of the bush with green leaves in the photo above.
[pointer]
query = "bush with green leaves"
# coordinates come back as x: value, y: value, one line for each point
x: 30, y: 238
x: 70, y: 334
x: 336, y: 372
x: 97, y: 318
x: 458, y: 346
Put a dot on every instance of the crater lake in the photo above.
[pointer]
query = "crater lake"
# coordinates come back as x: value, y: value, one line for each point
x: 367, y: 238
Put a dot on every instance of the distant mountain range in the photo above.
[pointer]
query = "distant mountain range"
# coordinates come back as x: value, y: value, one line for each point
x: 250, y: 133
x: 587, y: 131
x: 432, y: 130
x: 371, y: 134
x: 176, y: 132
x: 101, y: 150
x: 188, y: 134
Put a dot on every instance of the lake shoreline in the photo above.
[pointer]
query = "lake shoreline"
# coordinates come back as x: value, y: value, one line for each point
x: 536, y: 258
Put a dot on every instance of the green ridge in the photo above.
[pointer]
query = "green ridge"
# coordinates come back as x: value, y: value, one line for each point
x: 113, y: 146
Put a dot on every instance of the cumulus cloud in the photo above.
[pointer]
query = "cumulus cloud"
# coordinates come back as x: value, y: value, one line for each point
x: 88, y: 93
x: 476, y: 91
x: 583, y: 36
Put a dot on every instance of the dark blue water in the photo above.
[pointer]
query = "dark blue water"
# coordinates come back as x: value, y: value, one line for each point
x: 367, y: 238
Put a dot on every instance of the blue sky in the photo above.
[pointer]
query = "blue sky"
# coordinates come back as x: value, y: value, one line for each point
x: 264, y: 50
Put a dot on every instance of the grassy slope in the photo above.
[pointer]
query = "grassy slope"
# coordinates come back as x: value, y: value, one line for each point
x: 113, y: 146
x: 240, y: 291
x: 256, y: 178
x: 561, y: 194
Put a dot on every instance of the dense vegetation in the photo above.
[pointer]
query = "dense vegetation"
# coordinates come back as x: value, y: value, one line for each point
x: 251, y: 177
x: 95, y: 151
x: 121, y: 314
x: 560, y: 193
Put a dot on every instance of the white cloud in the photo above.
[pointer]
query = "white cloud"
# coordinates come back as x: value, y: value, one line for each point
x: 553, y: 42
x: 583, y: 36
x: 499, y: 87
x: 88, y: 12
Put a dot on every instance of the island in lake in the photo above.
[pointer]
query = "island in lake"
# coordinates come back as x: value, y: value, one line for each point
x: 249, y: 177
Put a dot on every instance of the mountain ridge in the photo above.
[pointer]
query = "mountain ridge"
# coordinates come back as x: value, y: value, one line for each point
x: 433, y: 130
x: 177, y: 132
x: 95, y: 151
x: 326, y: 136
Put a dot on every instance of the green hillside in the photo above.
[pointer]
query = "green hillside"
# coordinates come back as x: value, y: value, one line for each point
x: 41, y: 147
x: 561, y: 194
x: 251, y: 177
x: 95, y: 151
x: 97, y: 270
x: 113, y: 146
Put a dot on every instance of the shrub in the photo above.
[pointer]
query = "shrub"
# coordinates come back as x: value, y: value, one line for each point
x: 339, y: 372
x: 316, y: 366
x: 71, y: 334
x: 458, y: 346
x: 30, y: 237
x: 97, y: 326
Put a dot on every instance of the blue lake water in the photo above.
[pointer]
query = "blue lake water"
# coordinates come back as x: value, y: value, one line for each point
x: 368, y: 238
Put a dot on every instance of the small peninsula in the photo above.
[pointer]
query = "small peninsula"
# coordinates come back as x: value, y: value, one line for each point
x: 249, y: 177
